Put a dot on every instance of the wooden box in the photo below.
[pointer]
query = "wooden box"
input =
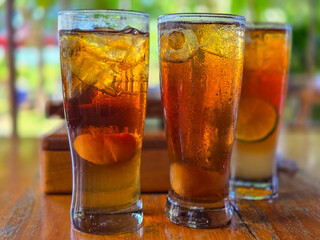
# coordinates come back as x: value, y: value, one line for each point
x: 56, y: 166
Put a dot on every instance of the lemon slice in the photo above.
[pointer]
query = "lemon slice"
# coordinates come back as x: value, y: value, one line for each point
x: 178, y: 45
x: 193, y: 182
x: 257, y: 120
x: 105, y: 149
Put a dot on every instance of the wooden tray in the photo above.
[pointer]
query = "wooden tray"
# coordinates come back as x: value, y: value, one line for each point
x: 56, y: 166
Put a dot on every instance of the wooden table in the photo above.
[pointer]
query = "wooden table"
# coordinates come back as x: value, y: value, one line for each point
x: 26, y: 213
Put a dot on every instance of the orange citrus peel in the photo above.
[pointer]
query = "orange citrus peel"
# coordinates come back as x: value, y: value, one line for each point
x: 105, y: 149
x: 257, y: 120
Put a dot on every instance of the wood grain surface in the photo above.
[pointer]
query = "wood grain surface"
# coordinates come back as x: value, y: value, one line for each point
x: 27, y: 213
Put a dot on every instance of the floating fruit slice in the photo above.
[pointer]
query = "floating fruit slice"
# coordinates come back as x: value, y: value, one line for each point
x: 257, y: 120
x: 191, y: 182
x: 105, y: 149
x: 178, y: 45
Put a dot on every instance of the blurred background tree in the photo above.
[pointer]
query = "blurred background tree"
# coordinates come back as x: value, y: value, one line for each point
x: 37, y: 53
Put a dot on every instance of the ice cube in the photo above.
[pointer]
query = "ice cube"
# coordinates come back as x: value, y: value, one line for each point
x: 70, y: 48
x: 178, y: 45
x: 122, y: 47
x: 101, y: 59
x: 218, y: 40
x: 108, y: 82
x: 76, y: 88
x: 105, y: 47
x: 139, y: 50
x: 89, y: 65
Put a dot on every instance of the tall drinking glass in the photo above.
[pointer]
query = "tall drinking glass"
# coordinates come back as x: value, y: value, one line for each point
x: 104, y: 66
x: 265, y: 73
x: 201, y: 59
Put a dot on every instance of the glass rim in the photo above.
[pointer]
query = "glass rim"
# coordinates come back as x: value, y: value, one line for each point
x: 102, y: 11
x: 177, y: 16
x: 268, y: 25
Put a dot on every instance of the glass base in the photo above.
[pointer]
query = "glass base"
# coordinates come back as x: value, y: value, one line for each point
x: 254, y: 190
x: 195, y: 215
x: 122, y: 221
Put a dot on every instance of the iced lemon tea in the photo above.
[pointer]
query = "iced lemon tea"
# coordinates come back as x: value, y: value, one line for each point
x: 266, y: 60
x: 104, y: 74
x: 201, y: 69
